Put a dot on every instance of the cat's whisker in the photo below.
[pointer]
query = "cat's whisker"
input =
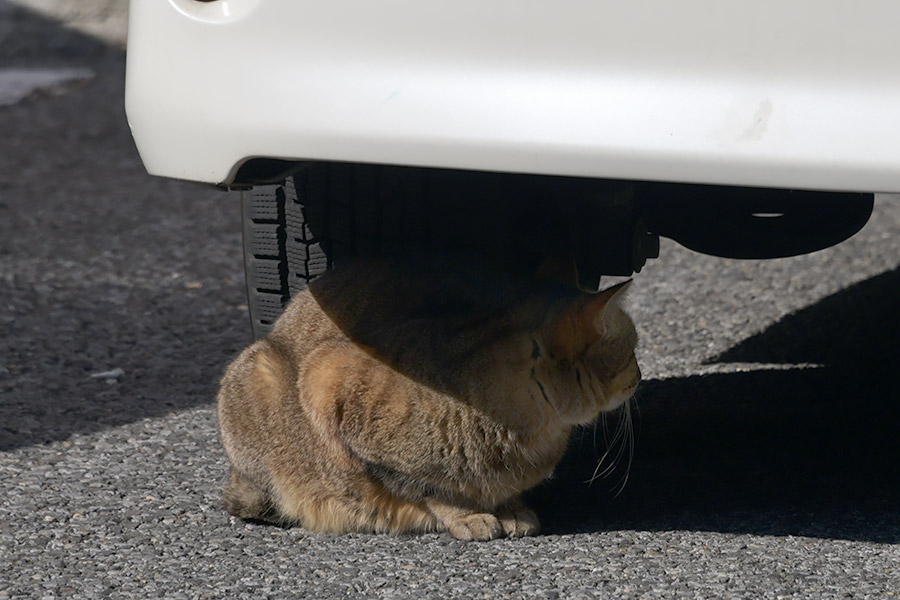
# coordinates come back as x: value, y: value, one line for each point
x: 602, y: 424
x: 598, y: 473
x: 612, y: 444
x: 618, y: 446
x: 630, y: 443
x: 608, y: 469
x: 623, y: 425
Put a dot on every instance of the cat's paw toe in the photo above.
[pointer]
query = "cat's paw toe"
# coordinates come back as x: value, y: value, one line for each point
x: 520, y: 522
x: 478, y: 526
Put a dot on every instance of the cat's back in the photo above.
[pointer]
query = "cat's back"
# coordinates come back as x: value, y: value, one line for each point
x: 422, y: 309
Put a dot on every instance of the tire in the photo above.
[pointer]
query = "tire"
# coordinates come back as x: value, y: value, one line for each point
x: 265, y: 255
x: 297, y: 230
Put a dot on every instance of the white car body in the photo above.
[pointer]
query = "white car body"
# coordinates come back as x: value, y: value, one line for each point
x: 801, y: 94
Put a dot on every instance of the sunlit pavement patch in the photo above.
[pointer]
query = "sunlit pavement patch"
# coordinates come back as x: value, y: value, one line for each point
x: 18, y: 84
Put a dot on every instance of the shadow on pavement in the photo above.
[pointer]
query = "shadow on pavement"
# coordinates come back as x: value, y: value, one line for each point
x: 27, y: 37
x: 810, y: 452
x: 102, y: 266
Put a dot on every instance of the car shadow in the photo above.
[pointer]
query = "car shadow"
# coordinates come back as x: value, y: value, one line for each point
x: 102, y: 267
x: 805, y: 451
x: 31, y: 37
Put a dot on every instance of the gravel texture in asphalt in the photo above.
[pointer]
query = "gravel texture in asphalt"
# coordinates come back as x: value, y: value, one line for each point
x: 766, y: 453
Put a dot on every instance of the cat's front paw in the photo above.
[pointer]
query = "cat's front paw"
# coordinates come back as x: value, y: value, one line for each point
x: 519, y: 521
x: 476, y: 526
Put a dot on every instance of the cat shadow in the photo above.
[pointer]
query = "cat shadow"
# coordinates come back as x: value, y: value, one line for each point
x: 804, y: 451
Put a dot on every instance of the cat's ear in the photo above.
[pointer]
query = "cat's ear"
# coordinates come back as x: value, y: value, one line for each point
x: 600, y: 307
x: 585, y: 321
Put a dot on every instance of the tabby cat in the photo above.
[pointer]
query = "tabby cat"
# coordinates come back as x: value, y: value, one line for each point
x: 419, y: 397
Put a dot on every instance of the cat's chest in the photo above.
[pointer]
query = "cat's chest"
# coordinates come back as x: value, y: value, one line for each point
x: 537, y: 454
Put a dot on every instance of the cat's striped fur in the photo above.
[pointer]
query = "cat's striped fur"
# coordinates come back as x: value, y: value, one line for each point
x: 418, y: 397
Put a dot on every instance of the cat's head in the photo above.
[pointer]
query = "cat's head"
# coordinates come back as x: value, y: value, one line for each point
x: 583, y: 356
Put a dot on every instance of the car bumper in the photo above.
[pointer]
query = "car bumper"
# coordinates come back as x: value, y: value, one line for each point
x: 801, y: 94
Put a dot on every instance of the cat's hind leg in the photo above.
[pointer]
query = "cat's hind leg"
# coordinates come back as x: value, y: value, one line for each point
x: 244, y: 499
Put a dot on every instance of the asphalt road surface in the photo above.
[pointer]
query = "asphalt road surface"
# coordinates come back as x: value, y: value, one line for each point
x: 766, y: 453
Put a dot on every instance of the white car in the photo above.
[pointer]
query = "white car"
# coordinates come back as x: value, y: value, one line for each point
x: 520, y: 128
